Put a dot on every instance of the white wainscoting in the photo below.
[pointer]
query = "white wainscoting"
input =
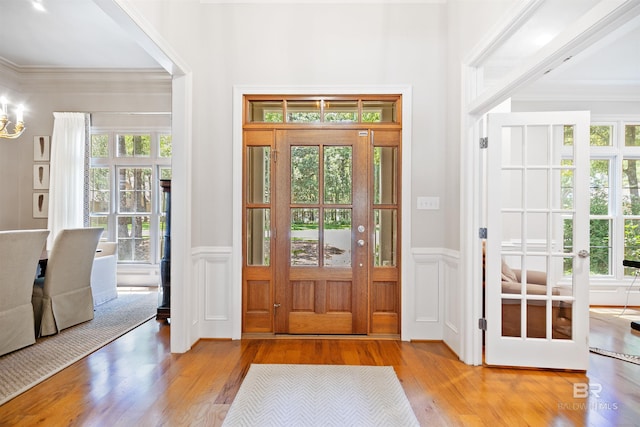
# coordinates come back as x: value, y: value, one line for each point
x: 212, y: 273
x: 432, y: 305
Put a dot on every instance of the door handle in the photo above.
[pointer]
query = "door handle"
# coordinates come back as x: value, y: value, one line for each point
x: 583, y: 254
x: 361, y: 243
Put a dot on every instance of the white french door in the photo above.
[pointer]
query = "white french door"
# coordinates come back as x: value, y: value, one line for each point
x: 537, y: 260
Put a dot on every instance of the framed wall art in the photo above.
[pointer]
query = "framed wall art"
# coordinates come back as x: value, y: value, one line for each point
x: 41, y: 176
x: 40, y: 205
x: 41, y: 148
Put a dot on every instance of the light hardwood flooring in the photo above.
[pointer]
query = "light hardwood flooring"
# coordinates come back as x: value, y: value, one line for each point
x: 136, y: 381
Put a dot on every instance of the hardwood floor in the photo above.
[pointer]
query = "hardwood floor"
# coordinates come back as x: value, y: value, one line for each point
x: 135, y: 381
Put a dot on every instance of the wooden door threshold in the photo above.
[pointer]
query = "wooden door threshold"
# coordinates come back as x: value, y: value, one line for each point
x: 376, y: 337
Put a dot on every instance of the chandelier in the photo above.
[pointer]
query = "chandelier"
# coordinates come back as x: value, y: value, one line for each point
x: 4, y: 121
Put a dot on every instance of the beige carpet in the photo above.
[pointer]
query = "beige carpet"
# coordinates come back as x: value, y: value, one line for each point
x: 320, y: 395
x: 22, y: 369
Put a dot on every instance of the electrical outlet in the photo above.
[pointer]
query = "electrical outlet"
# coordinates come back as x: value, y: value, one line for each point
x: 428, y: 203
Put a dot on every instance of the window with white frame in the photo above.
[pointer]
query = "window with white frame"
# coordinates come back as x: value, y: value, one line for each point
x: 125, y: 197
x: 615, y: 198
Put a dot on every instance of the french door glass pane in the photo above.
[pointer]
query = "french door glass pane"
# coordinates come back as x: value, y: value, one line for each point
x: 337, y: 237
x: 512, y: 193
x: 258, y: 237
x: 385, y: 164
x: 258, y: 175
x: 385, y: 222
x: 133, y: 238
x: 338, y: 167
x: 305, y: 235
x: 304, y: 174
x: 566, y: 180
x: 135, y: 189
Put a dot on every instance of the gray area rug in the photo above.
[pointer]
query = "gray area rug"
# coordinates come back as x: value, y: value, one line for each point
x: 320, y: 395
x: 24, y: 368
x: 621, y: 356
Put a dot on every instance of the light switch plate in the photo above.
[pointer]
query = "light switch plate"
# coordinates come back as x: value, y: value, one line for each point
x: 428, y: 203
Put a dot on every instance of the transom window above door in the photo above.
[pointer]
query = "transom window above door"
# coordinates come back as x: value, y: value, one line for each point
x: 325, y: 110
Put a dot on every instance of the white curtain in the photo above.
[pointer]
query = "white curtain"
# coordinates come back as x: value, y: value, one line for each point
x: 67, y: 173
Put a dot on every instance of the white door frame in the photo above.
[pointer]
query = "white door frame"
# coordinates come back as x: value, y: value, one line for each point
x: 605, y: 17
x: 407, y: 261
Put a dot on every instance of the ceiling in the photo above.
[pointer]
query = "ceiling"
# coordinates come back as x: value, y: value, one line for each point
x: 78, y: 34
x: 66, y: 34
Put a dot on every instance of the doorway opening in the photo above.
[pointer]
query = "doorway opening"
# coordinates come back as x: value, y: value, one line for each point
x: 321, y: 209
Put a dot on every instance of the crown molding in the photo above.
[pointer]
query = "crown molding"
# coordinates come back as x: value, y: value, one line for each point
x: 70, y: 80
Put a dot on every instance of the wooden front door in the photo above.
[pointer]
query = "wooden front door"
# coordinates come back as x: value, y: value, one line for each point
x: 322, y: 200
x: 321, y: 217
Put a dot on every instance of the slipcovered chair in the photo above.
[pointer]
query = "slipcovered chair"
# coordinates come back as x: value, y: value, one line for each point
x: 63, y: 298
x: 104, y: 273
x: 20, y: 251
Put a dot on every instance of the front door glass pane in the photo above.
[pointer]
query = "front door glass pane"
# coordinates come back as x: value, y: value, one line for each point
x: 258, y: 237
x: 265, y: 112
x: 337, y: 237
x: 303, y: 111
x: 385, y: 237
x: 379, y: 112
x: 304, y: 174
x: 258, y: 175
x: 305, y: 236
x: 385, y: 164
x: 340, y: 111
x: 337, y: 175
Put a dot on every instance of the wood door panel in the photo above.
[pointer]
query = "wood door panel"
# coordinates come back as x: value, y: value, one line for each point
x: 258, y: 306
x: 303, y: 295
x: 339, y: 296
x: 326, y: 323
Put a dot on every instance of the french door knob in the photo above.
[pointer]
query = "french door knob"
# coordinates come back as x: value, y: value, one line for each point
x: 583, y: 254
x: 361, y: 243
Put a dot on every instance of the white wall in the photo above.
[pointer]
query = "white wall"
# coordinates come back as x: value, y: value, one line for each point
x: 332, y: 45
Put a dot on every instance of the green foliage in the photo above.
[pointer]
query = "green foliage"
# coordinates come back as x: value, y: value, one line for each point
x: 134, y: 145
x: 100, y: 145
x: 600, y: 136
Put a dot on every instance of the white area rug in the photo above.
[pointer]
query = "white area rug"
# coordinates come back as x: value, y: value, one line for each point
x: 22, y: 369
x: 320, y: 395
